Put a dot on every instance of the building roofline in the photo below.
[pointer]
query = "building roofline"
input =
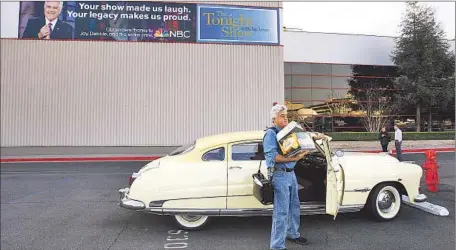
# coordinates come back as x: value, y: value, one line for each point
x: 285, y: 29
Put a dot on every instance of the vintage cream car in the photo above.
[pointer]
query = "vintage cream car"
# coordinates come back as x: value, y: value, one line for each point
x: 213, y: 177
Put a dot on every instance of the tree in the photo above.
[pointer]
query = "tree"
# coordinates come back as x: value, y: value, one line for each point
x: 373, y: 89
x: 425, y: 63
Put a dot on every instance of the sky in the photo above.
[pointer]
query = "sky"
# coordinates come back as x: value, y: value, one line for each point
x: 370, y: 18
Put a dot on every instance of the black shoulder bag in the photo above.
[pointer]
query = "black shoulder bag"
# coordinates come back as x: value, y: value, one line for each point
x: 262, y: 186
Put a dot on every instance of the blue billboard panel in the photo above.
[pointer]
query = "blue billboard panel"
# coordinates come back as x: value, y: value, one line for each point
x: 230, y: 24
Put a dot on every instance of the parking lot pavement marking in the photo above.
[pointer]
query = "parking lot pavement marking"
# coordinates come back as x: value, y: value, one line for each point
x: 427, y: 207
x: 177, y: 239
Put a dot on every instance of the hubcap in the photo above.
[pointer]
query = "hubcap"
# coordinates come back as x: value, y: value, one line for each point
x: 386, y: 201
x: 191, y: 218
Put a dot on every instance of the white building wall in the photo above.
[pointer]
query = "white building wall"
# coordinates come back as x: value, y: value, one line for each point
x: 312, y: 47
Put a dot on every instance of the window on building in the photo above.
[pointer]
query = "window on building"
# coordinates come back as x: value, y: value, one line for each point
x: 288, y: 94
x: 319, y: 96
x: 341, y: 70
x: 320, y: 69
x: 339, y: 82
x: 287, y: 68
x: 300, y: 69
x: 287, y: 81
x: 301, y: 81
x: 339, y: 94
x: 321, y: 82
x: 302, y: 95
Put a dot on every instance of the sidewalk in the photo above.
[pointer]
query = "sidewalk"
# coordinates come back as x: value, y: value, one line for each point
x: 406, y: 145
x: 84, y: 154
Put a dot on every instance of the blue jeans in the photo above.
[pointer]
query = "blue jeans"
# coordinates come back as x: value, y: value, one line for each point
x: 286, y: 215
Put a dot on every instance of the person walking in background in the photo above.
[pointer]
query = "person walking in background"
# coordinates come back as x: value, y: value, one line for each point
x: 384, y: 138
x: 398, y: 142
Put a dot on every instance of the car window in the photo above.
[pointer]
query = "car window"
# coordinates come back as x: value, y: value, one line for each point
x: 245, y: 151
x: 217, y: 154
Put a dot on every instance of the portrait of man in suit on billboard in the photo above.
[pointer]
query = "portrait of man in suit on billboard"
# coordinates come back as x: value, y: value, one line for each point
x: 49, y: 26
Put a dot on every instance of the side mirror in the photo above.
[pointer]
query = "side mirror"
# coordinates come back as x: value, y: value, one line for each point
x: 339, y: 153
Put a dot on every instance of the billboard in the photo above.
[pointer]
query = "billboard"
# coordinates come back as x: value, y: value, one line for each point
x: 231, y: 24
x: 108, y: 20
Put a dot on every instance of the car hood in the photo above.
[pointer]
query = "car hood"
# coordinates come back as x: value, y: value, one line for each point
x: 375, y: 164
x: 151, y: 165
x: 357, y: 157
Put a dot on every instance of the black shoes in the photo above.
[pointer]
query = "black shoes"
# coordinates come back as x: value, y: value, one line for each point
x: 299, y: 240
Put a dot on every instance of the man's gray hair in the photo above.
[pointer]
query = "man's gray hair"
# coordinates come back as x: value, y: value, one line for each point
x: 60, y: 3
x: 276, y: 109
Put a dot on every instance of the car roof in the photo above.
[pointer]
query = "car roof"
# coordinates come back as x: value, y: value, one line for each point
x: 225, y: 138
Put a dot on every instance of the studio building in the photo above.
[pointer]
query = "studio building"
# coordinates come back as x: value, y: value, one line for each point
x: 161, y: 90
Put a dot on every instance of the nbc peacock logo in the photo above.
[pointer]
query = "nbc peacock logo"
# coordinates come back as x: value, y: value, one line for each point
x: 161, y: 33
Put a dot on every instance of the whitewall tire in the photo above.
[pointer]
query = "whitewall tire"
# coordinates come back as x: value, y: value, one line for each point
x: 384, y: 203
x: 191, y: 222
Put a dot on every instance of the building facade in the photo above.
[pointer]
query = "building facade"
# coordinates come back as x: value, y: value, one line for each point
x: 319, y: 66
x: 127, y: 92
x: 78, y: 92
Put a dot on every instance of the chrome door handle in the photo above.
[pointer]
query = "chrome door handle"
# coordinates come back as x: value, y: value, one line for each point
x: 235, y: 167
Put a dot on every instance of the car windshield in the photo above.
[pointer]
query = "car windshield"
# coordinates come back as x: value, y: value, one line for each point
x: 183, y: 149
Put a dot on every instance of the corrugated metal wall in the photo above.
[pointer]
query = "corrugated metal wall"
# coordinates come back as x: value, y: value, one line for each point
x: 123, y: 94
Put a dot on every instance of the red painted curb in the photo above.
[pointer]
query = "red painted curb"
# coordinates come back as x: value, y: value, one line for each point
x: 422, y: 150
x: 85, y: 159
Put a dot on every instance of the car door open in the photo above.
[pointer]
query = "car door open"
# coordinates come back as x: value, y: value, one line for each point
x: 334, y: 182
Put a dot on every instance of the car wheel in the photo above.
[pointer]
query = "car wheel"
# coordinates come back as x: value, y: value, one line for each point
x: 191, y: 222
x: 384, y: 203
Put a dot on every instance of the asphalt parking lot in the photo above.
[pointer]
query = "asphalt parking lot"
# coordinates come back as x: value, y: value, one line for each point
x: 74, y: 206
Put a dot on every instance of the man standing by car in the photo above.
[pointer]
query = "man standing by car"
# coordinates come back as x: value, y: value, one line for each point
x: 398, y: 142
x: 286, y: 215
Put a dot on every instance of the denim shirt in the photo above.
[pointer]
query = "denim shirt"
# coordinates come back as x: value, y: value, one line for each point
x: 271, y: 150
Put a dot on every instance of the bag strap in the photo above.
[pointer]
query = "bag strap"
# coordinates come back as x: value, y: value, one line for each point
x: 275, y: 130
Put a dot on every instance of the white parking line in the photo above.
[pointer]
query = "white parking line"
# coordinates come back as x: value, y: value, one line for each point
x: 175, y: 237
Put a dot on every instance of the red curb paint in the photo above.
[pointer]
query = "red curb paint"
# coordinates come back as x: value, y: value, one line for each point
x: 79, y: 159
x: 422, y: 150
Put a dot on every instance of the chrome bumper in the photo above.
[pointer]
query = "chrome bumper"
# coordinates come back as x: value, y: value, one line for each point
x: 420, y: 198
x: 127, y: 203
